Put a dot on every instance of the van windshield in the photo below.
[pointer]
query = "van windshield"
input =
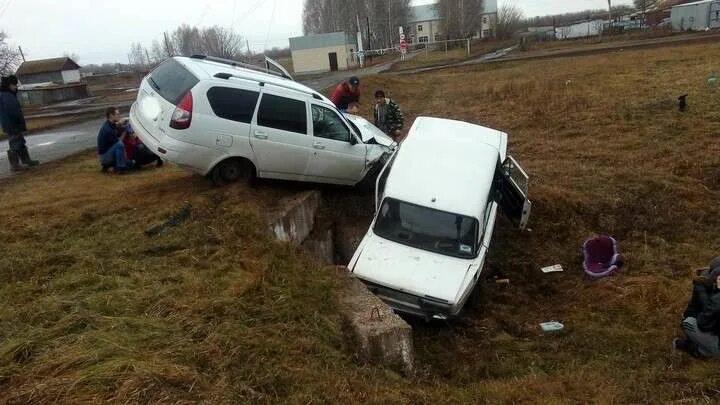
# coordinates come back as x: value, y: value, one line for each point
x: 427, y: 228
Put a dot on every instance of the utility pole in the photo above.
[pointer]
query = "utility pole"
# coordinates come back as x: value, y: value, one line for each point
x: 147, y: 55
x: 369, y: 42
x: 21, y: 53
x: 609, y: 16
x: 247, y: 46
x: 167, y: 45
x: 389, y: 25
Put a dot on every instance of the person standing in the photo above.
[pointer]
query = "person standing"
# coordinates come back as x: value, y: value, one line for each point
x: 388, y: 116
x: 12, y: 121
x: 346, y: 93
x: 110, y: 147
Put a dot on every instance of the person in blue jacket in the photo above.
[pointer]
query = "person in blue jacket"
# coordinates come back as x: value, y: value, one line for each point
x: 13, y: 125
x: 110, y: 147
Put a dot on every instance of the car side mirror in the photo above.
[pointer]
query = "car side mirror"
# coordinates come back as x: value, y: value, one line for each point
x: 353, y: 140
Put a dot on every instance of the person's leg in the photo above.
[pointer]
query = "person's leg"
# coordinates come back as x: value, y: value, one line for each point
x: 119, y: 154
x: 25, y: 153
x: 15, y: 145
x: 708, y: 345
x: 144, y: 156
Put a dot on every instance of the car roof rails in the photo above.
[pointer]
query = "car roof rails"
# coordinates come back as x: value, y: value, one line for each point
x: 238, y: 64
x: 227, y: 76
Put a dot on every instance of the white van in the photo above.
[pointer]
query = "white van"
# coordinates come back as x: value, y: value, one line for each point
x: 436, y: 203
x: 227, y: 120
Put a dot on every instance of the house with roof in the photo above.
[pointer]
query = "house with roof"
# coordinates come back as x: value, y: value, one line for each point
x: 427, y: 25
x: 56, y: 70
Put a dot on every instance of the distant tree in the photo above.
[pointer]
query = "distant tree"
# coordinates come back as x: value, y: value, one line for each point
x: 221, y: 42
x: 463, y: 18
x: 138, y: 56
x: 187, y: 41
x: 643, y: 6
x: 509, y: 19
x: 10, y: 57
x: 384, y: 16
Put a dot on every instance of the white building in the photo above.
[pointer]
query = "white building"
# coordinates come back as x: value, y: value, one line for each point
x: 319, y: 53
x: 427, y: 25
x: 489, y: 19
x: 696, y: 16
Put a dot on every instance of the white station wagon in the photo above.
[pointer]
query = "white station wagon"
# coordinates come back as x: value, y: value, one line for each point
x: 436, y: 203
x: 229, y: 121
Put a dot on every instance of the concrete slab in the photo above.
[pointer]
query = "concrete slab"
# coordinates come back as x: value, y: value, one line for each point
x: 376, y: 333
x: 295, y: 220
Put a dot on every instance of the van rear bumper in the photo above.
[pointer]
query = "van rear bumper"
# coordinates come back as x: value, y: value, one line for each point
x: 190, y: 156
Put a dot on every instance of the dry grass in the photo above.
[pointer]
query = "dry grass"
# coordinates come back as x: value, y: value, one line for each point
x: 213, y: 310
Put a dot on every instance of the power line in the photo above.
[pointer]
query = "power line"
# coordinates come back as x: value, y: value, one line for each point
x: 272, y: 18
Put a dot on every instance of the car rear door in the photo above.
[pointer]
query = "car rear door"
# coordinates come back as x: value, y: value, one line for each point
x: 511, y: 192
x: 280, y: 137
x: 334, y: 156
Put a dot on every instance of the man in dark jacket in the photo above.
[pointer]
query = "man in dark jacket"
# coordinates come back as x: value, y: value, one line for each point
x: 388, y: 116
x: 13, y: 124
x: 701, y: 322
x: 345, y: 93
x: 110, y: 147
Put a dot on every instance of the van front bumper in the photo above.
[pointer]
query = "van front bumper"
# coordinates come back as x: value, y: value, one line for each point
x: 410, y: 304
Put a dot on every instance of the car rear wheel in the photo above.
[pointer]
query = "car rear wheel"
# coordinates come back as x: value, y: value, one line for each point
x: 231, y: 171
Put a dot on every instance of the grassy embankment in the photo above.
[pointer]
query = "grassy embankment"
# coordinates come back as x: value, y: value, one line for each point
x: 213, y: 310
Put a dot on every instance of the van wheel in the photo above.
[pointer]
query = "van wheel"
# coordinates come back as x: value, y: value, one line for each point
x: 232, y: 170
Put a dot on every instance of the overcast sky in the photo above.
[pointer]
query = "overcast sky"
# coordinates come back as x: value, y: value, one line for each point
x: 102, y: 31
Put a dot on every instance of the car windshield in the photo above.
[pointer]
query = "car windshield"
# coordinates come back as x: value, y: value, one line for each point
x: 427, y: 228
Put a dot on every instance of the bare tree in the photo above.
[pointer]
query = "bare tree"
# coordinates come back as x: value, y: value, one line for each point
x: 136, y: 57
x: 221, y: 42
x: 509, y: 19
x: 463, y: 18
x: 10, y: 57
x: 643, y: 6
x: 384, y: 18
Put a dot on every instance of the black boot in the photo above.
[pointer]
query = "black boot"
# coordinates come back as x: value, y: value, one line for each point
x: 25, y: 157
x: 14, y: 159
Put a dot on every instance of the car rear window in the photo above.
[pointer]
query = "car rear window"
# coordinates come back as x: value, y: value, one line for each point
x: 171, y: 80
x: 282, y: 113
x: 233, y: 104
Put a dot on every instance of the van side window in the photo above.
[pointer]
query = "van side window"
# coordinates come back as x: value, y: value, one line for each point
x: 233, y: 104
x: 282, y: 113
x: 327, y: 124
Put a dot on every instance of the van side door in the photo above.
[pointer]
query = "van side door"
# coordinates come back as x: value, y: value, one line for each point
x: 511, y: 192
x: 280, y: 137
x: 337, y: 153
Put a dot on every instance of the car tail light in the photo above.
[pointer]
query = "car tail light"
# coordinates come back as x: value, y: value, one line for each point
x: 182, y: 116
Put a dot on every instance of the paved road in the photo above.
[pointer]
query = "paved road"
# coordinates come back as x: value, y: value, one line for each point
x: 55, y: 144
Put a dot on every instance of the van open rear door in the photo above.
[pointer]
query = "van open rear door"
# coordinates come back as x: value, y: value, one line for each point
x: 512, y: 192
x: 274, y: 66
